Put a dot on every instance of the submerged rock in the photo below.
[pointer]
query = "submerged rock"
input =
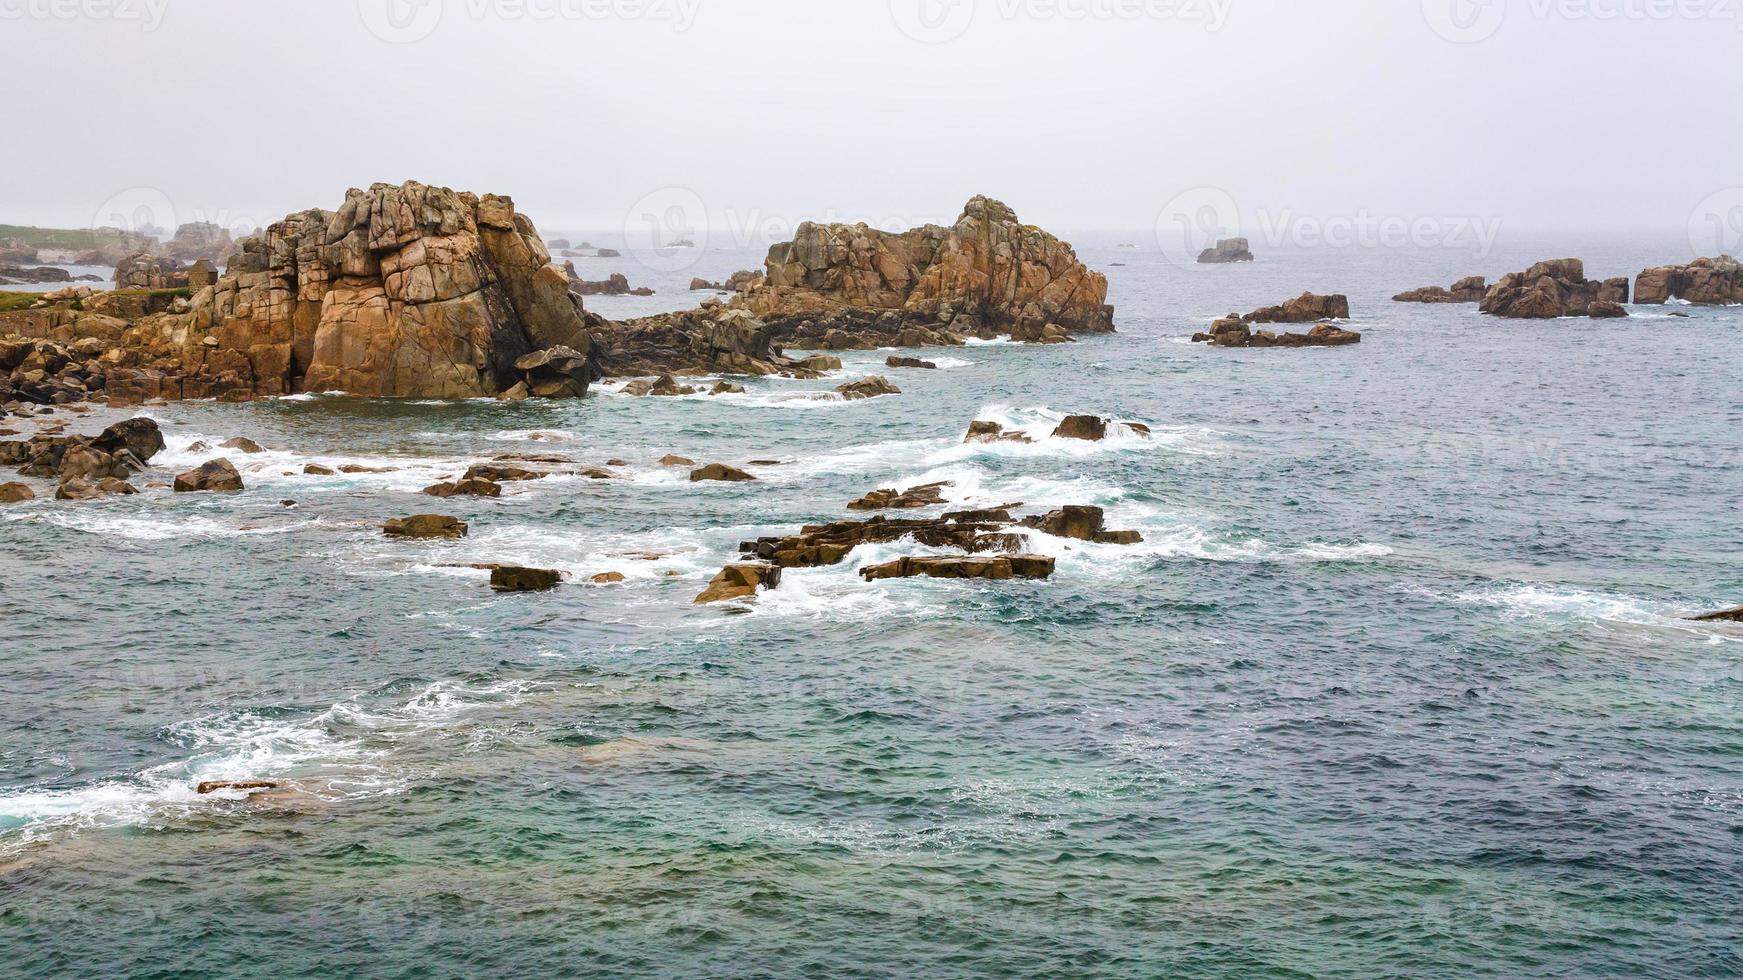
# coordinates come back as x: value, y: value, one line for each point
x: 1000, y: 568
x: 909, y: 362
x: 672, y: 459
x: 871, y: 387
x: 720, y: 472
x: 465, y: 488
x: 1727, y: 616
x: 985, y: 431
x: 242, y: 445
x: 740, y: 582
x: 491, y: 473
x: 426, y: 526
x: 219, y: 786
x: 217, y: 476
x: 510, y: 578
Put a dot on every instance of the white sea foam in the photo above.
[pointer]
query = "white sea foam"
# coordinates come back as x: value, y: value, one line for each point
x: 111, y: 525
x: 1571, y: 605
x: 343, y: 752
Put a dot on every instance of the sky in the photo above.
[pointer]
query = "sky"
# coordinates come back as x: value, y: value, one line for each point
x: 1081, y: 114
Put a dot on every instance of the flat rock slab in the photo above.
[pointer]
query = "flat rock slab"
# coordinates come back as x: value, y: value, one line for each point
x: 426, y: 526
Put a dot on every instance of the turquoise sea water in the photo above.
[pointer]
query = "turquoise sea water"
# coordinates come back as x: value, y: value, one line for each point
x: 1396, y: 685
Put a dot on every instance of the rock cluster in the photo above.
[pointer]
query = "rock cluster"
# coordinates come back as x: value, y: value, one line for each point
x: 147, y: 270
x: 1555, y: 288
x: 985, y: 275
x: 199, y: 240
x: 1232, y: 331
x: 616, y: 284
x: 1470, y: 289
x: 870, y: 387
x: 42, y: 372
x: 86, y: 466
x: 406, y: 290
x: 713, y: 339
x: 740, y: 280
x: 1703, y: 282
x: 1305, y: 308
x: 1227, y: 250
x: 997, y: 569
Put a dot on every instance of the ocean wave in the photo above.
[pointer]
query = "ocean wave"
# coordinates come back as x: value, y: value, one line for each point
x: 342, y: 752
x: 1572, y: 605
x: 111, y: 525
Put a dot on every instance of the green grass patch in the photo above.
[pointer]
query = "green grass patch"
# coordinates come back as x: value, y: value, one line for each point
x: 10, y: 300
x: 79, y: 239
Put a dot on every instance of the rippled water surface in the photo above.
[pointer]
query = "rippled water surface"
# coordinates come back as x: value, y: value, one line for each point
x: 1398, y: 683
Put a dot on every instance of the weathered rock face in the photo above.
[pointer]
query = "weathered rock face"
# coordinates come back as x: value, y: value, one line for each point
x: 1704, y: 282
x: 869, y: 387
x: 198, y: 240
x: 999, y: 568
x: 1227, y: 250
x: 987, y: 272
x: 1470, y: 289
x: 509, y: 578
x: 714, y: 339
x: 616, y: 284
x: 144, y: 270
x: 1552, y: 289
x: 742, y: 279
x: 740, y: 582
x: 720, y: 473
x: 217, y: 476
x: 406, y: 290
x: 1305, y: 308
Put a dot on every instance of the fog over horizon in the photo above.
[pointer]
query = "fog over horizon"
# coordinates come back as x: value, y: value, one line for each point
x: 1535, y: 115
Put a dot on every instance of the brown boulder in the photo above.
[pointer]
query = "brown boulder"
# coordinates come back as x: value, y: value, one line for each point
x: 14, y: 493
x: 139, y: 436
x: 489, y: 473
x: 465, y: 488
x: 871, y: 387
x: 720, y: 472
x: 1090, y: 428
x: 508, y: 578
x: 217, y: 476
x: 985, y: 431
x: 1552, y: 289
x: 909, y: 362
x: 740, y: 582
x: 242, y: 445
x: 1727, y: 616
x: 672, y: 459
x: 425, y: 526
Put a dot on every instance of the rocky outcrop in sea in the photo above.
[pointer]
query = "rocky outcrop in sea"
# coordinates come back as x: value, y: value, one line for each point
x: 1703, y: 282
x: 1470, y: 289
x: 1226, y: 251
x: 986, y: 275
x: 1556, y: 288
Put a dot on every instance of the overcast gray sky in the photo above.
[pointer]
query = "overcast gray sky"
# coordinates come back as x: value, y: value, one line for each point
x: 1080, y: 113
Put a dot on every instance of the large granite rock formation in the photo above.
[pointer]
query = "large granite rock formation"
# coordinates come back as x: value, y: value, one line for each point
x: 199, y: 240
x: 406, y: 290
x: 1470, y: 289
x: 146, y: 270
x: 1704, y: 282
x: 1227, y: 250
x: 984, y: 275
x: 1305, y: 308
x: 1556, y: 288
